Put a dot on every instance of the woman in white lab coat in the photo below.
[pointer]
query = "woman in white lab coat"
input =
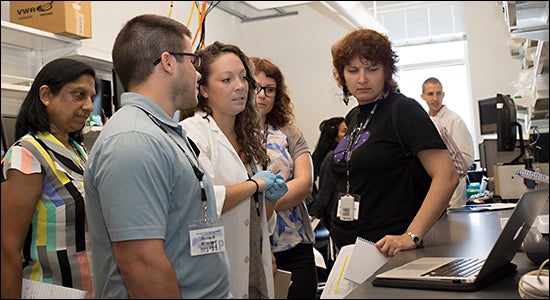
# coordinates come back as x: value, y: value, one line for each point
x: 225, y: 129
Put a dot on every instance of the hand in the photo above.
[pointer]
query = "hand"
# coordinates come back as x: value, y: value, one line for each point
x: 267, y: 177
x: 277, y: 190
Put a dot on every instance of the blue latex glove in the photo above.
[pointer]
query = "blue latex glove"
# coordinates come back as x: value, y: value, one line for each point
x: 277, y: 190
x: 267, y: 176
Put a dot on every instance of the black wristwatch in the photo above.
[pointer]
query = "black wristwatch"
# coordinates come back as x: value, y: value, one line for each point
x: 417, y: 241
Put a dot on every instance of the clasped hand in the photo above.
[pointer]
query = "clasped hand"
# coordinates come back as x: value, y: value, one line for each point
x: 275, y: 185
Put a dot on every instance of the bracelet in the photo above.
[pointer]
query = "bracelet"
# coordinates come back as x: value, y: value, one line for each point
x: 257, y: 185
x: 416, y: 240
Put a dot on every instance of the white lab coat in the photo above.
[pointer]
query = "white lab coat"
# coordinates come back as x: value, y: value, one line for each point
x: 463, y: 139
x: 222, y: 163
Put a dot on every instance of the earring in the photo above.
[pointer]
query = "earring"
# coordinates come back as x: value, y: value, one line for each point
x: 346, y: 95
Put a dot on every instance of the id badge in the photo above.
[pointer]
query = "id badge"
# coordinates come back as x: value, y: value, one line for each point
x: 206, y: 237
x: 348, y: 207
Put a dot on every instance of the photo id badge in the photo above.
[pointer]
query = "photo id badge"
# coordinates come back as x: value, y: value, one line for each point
x: 206, y: 237
x: 348, y: 207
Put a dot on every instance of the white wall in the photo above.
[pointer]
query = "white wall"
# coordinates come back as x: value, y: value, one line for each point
x: 491, y: 67
x: 300, y: 45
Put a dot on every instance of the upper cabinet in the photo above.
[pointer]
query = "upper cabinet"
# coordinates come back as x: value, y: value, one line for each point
x: 26, y: 50
x: 527, y: 19
x: 528, y: 22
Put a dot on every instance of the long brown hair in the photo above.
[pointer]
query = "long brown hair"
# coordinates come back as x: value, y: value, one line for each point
x: 282, y: 112
x: 247, y: 122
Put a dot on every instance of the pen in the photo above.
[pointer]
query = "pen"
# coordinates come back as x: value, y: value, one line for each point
x: 476, y: 206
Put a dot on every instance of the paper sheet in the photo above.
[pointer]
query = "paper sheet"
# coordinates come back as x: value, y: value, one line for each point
x: 337, y: 287
x: 39, y: 290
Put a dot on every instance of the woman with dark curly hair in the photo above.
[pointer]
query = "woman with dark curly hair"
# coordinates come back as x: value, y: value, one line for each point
x: 393, y: 172
x: 226, y: 128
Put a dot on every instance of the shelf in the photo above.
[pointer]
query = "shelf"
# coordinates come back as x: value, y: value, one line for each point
x: 14, y: 88
x: 34, y: 39
x: 99, y: 59
x: 53, y: 45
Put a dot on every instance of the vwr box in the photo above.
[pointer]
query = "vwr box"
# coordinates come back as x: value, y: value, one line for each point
x: 68, y: 18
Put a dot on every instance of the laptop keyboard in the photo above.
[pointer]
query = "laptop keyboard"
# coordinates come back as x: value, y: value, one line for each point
x: 460, y: 267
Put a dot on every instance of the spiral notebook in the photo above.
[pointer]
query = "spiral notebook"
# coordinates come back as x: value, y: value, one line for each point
x: 365, y: 259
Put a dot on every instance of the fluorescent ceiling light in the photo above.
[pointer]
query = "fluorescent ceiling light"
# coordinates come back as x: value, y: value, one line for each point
x: 356, y: 14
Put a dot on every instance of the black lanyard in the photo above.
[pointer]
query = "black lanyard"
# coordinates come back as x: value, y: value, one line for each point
x: 196, y: 168
x: 355, y: 136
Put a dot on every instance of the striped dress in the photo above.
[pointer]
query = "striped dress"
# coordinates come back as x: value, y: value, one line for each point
x: 55, y: 249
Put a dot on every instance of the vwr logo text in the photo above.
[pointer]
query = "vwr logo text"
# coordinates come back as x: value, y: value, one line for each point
x: 41, y: 8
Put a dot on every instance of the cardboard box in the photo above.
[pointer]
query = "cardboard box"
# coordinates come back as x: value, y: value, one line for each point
x: 68, y: 18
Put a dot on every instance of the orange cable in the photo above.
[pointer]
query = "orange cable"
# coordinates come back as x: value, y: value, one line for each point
x: 203, y: 13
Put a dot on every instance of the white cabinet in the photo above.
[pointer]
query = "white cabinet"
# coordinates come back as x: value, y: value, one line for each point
x: 25, y: 50
x: 528, y: 22
x: 527, y: 19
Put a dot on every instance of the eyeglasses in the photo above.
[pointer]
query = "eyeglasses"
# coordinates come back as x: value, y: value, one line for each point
x: 195, y: 59
x: 268, y: 91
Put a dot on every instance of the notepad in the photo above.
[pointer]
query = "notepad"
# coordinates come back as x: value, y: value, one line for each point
x: 365, y: 259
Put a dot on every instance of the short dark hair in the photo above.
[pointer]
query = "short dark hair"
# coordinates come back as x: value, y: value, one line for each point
x: 140, y: 42
x: 33, y: 116
x: 431, y: 80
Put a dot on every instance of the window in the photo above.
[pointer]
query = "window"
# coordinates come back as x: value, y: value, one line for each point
x: 446, y: 62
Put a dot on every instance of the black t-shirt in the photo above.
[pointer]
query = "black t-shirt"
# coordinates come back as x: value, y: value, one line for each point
x: 392, y: 187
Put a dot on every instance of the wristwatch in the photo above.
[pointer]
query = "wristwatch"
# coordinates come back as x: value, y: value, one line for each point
x: 417, y: 241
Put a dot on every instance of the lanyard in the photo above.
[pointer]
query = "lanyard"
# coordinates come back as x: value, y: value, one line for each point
x: 354, y: 138
x: 196, y: 168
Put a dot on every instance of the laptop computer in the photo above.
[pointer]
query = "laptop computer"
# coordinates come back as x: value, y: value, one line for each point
x: 429, y: 273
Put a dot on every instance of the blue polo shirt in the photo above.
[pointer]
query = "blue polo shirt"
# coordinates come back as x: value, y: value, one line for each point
x: 140, y: 185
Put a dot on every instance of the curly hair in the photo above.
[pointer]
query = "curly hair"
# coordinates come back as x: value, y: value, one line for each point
x: 282, y: 112
x: 247, y: 123
x: 368, y: 45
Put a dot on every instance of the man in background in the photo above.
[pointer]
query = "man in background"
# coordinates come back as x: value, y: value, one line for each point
x: 433, y: 94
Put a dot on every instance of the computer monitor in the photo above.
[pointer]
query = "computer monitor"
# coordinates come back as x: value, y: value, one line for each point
x: 103, y: 101
x: 507, y: 124
x: 488, y: 115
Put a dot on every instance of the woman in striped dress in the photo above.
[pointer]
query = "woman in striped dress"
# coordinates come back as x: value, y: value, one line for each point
x: 43, y: 212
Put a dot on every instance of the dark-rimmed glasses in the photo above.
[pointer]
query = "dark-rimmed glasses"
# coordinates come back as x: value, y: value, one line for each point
x: 195, y: 59
x: 269, y: 91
